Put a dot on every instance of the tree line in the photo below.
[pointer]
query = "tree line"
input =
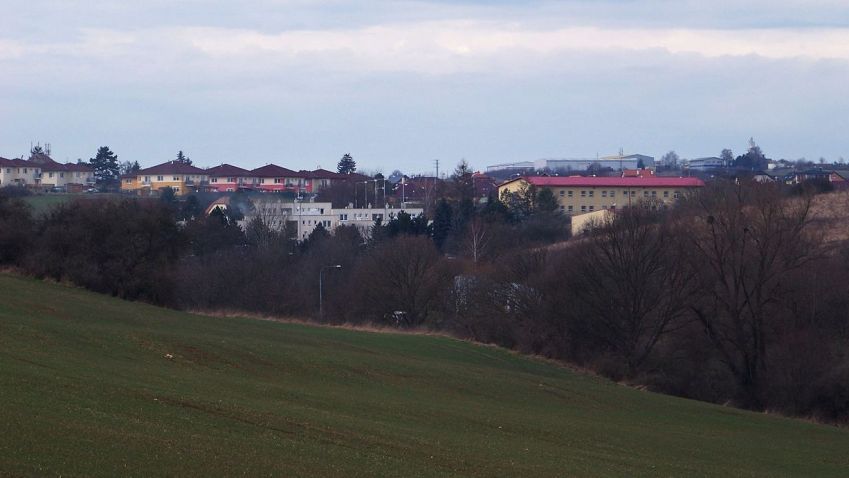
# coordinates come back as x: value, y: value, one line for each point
x: 731, y: 297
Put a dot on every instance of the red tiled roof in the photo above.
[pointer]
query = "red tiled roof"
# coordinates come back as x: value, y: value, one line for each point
x: 275, y: 171
x: 355, y: 177
x: 322, y: 174
x: 172, y: 167
x: 46, y: 163
x: 15, y: 163
x: 593, y: 181
x: 227, y: 170
x: 83, y: 168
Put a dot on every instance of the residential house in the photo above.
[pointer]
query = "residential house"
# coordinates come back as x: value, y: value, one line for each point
x: 273, y: 178
x: 180, y: 177
x: 229, y: 178
x: 18, y: 172
x: 71, y: 177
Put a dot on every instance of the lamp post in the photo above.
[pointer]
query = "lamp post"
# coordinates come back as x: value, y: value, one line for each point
x: 320, y: 289
x: 365, y: 193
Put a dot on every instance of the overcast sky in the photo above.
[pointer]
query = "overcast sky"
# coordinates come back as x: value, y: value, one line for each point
x: 399, y: 84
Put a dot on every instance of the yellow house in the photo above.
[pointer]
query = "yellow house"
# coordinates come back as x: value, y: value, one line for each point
x: 182, y: 178
x: 579, y: 194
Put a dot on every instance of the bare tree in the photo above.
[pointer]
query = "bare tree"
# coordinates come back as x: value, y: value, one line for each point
x: 401, y: 277
x: 477, y: 239
x: 747, y: 241
x: 631, y: 285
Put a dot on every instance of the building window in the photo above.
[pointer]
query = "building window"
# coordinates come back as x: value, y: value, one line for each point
x: 666, y: 194
x: 583, y: 194
x: 604, y: 194
x: 592, y: 208
x: 213, y: 180
x: 61, y: 175
x: 562, y: 193
x: 175, y: 178
x: 645, y: 194
x: 654, y: 194
x: 569, y: 194
x: 570, y: 208
x: 231, y: 180
x: 49, y: 175
x: 592, y: 193
x: 676, y: 195
x: 278, y: 180
x: 583, y: 208
x: 612, y: 193
x: 159, y: 178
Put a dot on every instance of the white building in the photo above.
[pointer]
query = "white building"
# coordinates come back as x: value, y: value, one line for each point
x: 17, y: 172
x: 706, y: 164
x: 616, y: 162
x: 279, y: 213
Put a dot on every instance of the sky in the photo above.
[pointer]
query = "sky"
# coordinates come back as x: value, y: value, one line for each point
x: 399, y: 84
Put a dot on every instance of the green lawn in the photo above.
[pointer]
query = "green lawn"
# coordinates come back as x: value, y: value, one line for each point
x: 86, y: 389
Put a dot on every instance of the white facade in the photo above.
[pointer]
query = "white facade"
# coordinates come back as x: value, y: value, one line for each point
x: 17, y: 172
x: 278, y: 214
x: 631, y: 161
x: 64, y: 178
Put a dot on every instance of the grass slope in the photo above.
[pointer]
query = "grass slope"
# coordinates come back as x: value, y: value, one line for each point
x: 86, y: 389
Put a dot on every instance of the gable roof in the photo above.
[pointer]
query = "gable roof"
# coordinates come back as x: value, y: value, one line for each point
x: 322, y: 174
x: 274, y: 171
x: 15, y: 163
x: 595, y: 181
x: 227, y: 170
x: 172, y: 167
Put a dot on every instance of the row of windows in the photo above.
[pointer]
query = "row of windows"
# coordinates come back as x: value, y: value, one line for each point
x: 314, y: 223
x: 612, y: 194
x: 62, y: 175
x: 18, y: 170
x: 363, y: 216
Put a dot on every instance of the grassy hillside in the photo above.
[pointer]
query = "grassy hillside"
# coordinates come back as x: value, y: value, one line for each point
x: 86, y: 388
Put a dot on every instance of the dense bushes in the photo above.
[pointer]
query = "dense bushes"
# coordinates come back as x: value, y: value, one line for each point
x: 16, y: 229
x: 124, y: 248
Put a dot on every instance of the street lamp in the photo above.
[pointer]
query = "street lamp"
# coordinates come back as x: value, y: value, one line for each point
x: 320, y: 289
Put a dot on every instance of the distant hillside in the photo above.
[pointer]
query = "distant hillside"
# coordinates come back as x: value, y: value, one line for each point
x: 91, y: 385
x: 830, y: 214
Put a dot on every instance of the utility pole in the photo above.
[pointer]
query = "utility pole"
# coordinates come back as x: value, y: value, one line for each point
x: 403, y: 196
x: 436, y: 161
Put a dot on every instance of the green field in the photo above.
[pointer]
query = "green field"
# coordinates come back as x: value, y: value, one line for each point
x: 86, y: 389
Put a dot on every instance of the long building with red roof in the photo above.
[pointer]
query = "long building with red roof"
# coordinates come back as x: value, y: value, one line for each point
x: 579, y: 194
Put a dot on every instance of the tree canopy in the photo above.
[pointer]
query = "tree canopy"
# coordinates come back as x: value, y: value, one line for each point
x: 182, y: 158
x: 347, y: 165
x: 105, y: 165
